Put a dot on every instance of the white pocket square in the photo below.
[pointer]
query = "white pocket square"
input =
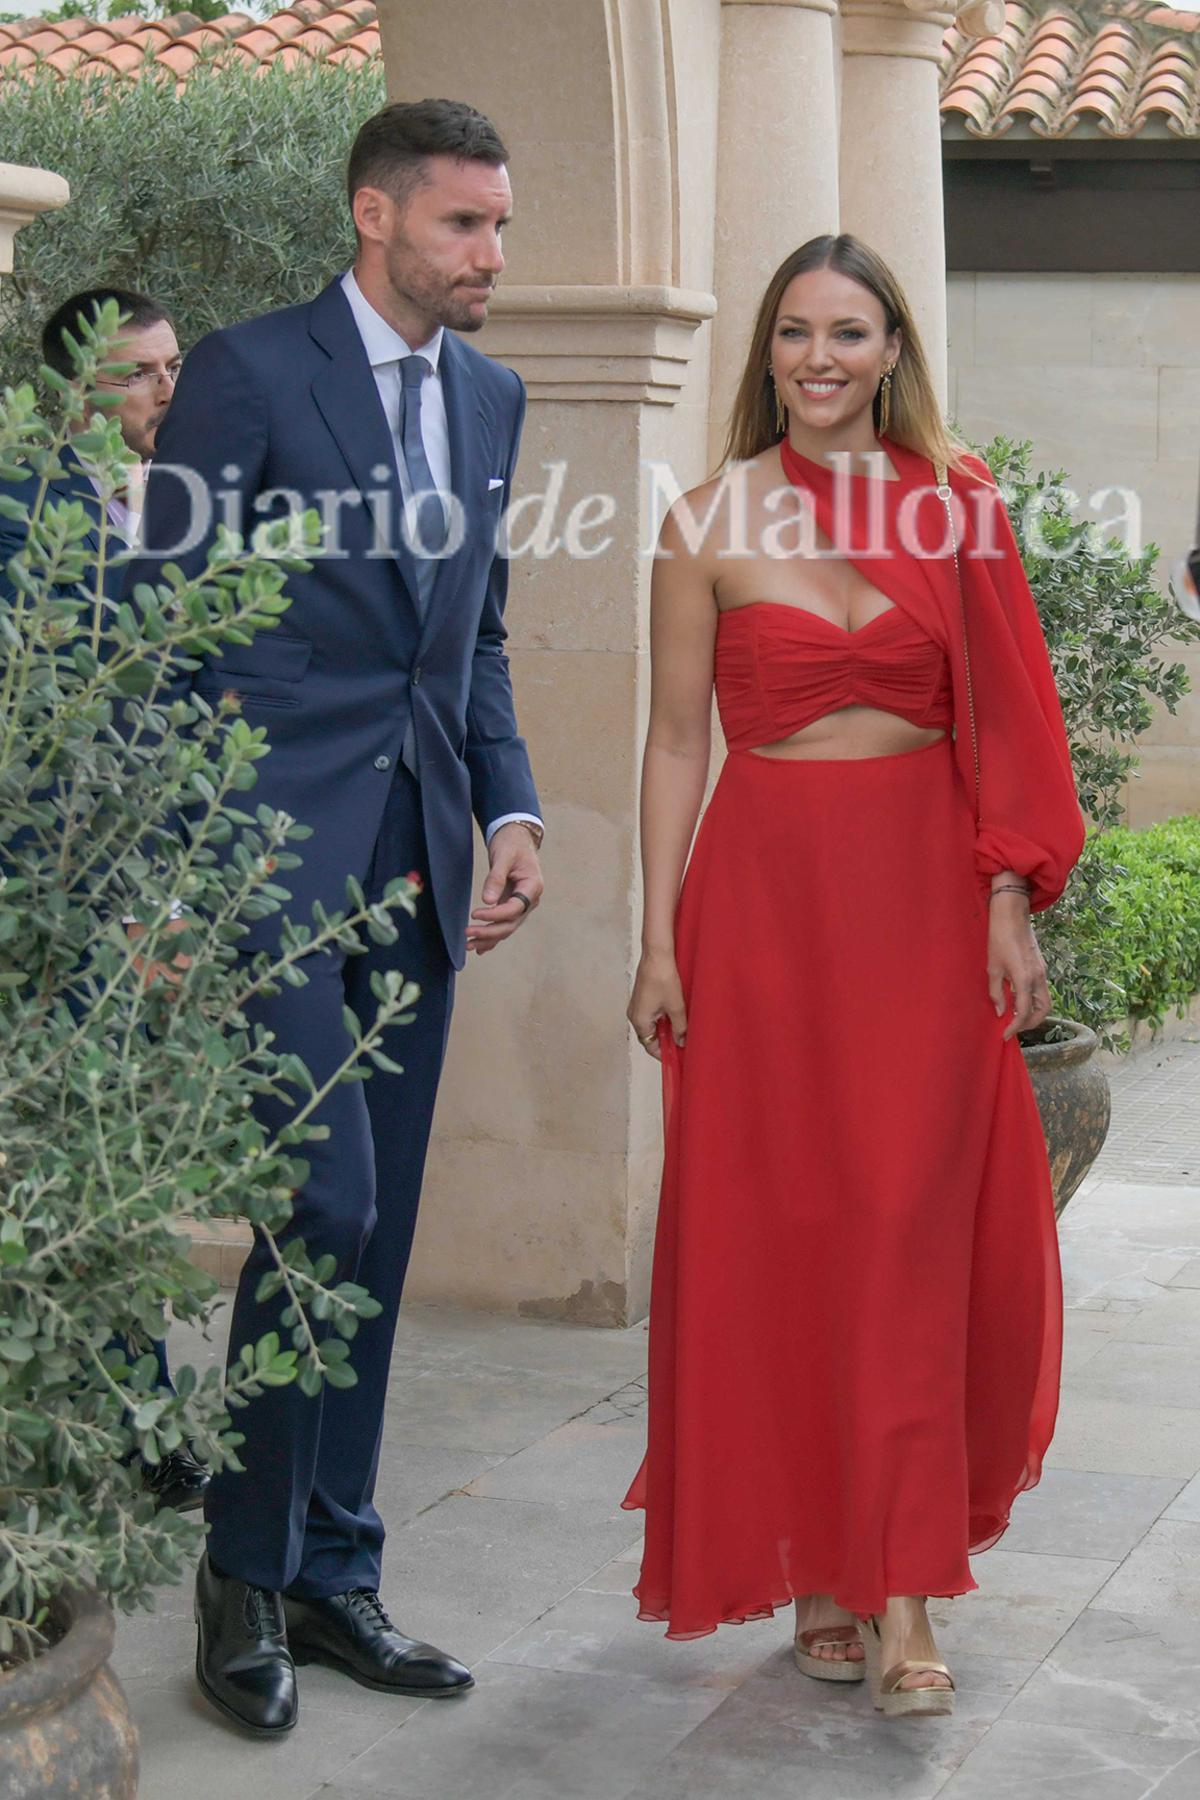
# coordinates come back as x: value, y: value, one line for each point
x: 495, y: 481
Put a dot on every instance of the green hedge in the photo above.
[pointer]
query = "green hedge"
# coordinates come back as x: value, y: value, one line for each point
x: 1150, y: 935
x: 222, y: 200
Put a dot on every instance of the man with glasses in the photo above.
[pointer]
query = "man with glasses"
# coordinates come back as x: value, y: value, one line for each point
x: 147, y: 340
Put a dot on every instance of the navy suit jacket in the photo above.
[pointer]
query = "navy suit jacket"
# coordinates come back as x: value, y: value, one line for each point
x: 279, y: 412
x: 74, y: 485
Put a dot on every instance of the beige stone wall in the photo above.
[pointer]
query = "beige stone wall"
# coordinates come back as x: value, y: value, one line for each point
x: 1102, y: 372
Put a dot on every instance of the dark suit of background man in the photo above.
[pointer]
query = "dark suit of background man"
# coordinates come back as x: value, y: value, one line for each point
x: 139, y: 398
x: 389, y: 708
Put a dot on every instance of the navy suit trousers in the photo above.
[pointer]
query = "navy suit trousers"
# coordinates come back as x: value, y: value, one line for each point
x: 301, y: 1516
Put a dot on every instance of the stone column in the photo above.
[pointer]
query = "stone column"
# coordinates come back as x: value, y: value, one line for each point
x: 543, y: 1172
x: 24, y: 193
x: 777, y: 167
x: 891, y: 151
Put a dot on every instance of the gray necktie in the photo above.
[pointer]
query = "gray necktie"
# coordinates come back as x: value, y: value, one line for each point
x: 430, y: 513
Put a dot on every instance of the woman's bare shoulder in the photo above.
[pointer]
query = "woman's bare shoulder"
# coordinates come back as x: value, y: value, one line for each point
x: 697, y: 523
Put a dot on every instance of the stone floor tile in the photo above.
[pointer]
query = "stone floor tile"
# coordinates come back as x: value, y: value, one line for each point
x: 776, y: 1740
x: 601, y: 1633
x: 616, y: 1577
x: 476, y: 1407
x: 1029, y: 1762
x: 413, y: 1477
x: 153, y: 1646
x: 1161, y: 1576
x: 1189, y: 1275
x: 1085, y: 1331
x: 189, y: 1750
x: 582, y: 1461
x: 530, y: 1735
x: 1074, y: 1513
x: 1148, y: 1374
x: 1174, y: 1318
x: 1141, y: 1210
x: 1024, y: 1603
x: 429, y: 1333
x: 1120, y: 1672
x: 1187, y: 1504
x: 1119, y: 1437
x: 484, y: 1568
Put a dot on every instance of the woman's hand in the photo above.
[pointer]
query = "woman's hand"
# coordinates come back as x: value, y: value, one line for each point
x: 657, y: 994
x: 1014, y: 957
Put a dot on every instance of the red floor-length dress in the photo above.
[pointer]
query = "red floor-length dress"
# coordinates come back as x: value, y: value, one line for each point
x: 855, y: 1322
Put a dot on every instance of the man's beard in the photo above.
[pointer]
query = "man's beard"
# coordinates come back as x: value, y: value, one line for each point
x: 442, y: 300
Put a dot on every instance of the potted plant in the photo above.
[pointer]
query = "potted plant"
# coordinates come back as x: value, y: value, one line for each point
x: 1105, y: 619
x: 125, y: 1089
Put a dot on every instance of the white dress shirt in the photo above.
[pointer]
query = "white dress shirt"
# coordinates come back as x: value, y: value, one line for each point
x: 385, y: 348
x: 125, y: 519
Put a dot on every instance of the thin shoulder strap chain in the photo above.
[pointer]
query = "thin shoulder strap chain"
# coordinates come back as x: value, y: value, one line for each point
x: 943, y: 492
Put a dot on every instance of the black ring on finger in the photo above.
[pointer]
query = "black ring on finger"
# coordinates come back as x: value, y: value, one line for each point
x: 526, y: 902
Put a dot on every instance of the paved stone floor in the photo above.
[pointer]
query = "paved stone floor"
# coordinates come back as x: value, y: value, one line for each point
x: 509, y: 1446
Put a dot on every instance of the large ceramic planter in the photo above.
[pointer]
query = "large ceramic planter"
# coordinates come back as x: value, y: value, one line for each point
x: 65, y: 1729
x: 1073, y: 1098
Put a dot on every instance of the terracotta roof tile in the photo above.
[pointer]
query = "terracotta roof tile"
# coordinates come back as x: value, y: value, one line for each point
x: 259, y: 41
x: 124, y: 57
x: 308, y: 30
x: 353, y: 54
x: 1049, y: 72
x: 316, y: 41
x: 177, y: 57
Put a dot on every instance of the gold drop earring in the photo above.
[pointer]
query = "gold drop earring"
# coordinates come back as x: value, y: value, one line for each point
x: 885, y: 400
x: 780, y: 409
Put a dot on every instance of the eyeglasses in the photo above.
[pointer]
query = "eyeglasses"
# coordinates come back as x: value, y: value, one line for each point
x: 144, y: 377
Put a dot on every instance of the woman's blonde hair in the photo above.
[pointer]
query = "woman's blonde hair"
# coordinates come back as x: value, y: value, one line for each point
x: 916, y: 418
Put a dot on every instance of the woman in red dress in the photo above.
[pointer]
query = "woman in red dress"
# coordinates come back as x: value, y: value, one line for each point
x: 855, y: 1321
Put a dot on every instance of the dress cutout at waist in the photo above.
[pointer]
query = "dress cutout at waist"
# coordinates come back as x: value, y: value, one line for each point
x: 780, y: 667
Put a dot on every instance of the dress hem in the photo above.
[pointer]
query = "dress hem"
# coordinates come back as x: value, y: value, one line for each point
x: 976, y: 1545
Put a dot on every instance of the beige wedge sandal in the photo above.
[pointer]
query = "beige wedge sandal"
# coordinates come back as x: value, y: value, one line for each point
x: 889, y: 1697
x: 827, y: 1668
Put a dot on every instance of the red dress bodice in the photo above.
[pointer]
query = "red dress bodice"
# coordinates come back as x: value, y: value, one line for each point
x: 779, y: 667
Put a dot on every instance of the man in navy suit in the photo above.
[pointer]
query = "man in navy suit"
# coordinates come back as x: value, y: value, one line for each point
x: 389, y: 708
x: 139, y: 396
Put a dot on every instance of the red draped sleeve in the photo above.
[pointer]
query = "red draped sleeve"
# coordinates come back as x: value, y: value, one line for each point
x: 1029, y: 818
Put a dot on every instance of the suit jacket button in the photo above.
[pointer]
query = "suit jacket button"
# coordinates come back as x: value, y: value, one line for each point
x: 416, y: 675
x: 383, y: 762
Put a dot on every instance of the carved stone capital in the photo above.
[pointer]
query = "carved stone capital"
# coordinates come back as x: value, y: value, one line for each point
x: 980, y: 18
x: 911, y: 28
x: 24, y: 193
x: 822, y: 6
x: 597, y: 342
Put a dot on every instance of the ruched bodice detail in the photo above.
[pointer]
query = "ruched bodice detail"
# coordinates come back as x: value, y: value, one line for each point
x: 780, y: 667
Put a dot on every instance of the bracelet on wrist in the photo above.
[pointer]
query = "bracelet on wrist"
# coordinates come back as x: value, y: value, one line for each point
x: 1008, y: 888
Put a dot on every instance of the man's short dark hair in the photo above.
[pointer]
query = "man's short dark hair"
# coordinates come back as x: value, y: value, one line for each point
x: 392, y: 146
x: 141, y: 309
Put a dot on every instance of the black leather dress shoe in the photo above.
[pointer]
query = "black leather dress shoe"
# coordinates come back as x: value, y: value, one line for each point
x: 243, y: 1663
x: 353, y: 1633
x: 179, y: 1481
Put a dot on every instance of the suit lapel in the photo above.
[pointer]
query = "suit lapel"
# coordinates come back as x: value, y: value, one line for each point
x: 75, y: 485
x: 348, y: 401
